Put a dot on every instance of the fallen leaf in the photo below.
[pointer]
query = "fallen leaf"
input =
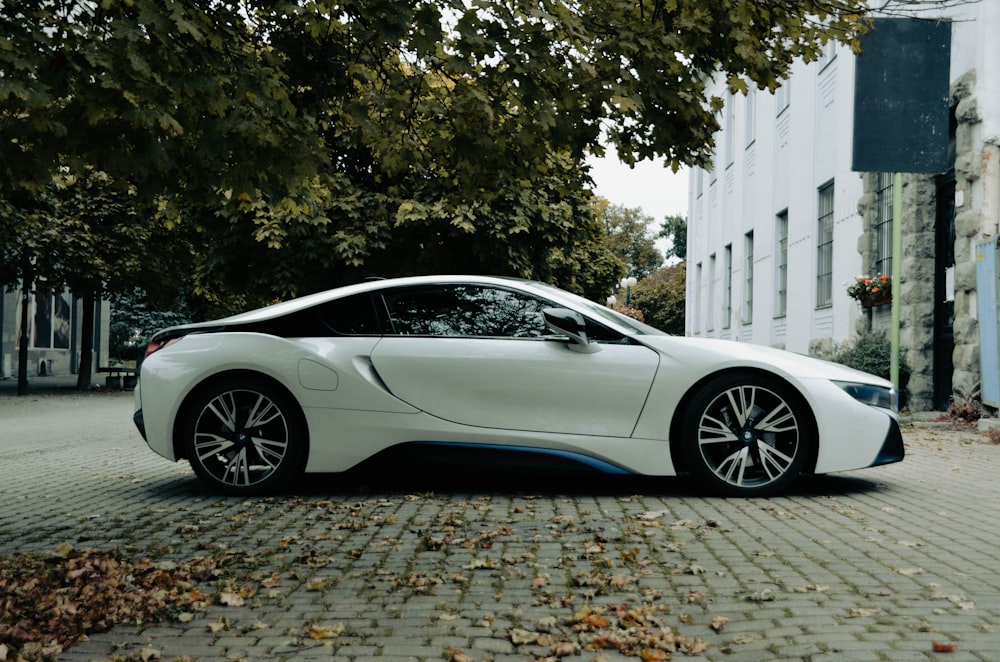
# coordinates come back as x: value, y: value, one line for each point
x: 319, y: 583
x: 457, y: 655
x: 943, y: 648
x: 718, y: 623
x: 64, y: 550
x: 219, y: 625
x: 319, y: 632
x: 231, y: 599
x: 862, y: 612
x: 697, y: 647
x: 907, y: 572
x: 564, y: 648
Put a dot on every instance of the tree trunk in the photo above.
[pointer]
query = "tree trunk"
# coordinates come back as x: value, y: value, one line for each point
x: 22, y: 346
x: 86, y: 342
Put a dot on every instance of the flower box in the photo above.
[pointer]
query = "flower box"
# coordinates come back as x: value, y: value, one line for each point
x: 874, y: 291
x: 871, y: 302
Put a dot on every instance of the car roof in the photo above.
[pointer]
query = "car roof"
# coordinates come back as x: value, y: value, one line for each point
x: 306, y: 301
x: 550, y: 292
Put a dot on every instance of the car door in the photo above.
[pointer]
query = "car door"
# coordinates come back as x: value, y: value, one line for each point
x: 481, y: 355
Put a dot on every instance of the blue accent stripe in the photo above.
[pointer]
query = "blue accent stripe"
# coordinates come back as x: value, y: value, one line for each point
x: 586, y: 460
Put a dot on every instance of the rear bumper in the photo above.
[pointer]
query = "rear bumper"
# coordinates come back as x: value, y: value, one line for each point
x: 137, y: 418
x: 139, y: 423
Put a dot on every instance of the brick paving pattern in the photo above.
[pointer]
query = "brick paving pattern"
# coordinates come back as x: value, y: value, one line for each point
x: 871, y: 565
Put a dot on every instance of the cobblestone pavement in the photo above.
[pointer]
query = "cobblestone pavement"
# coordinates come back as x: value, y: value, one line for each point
x: 880, y: 564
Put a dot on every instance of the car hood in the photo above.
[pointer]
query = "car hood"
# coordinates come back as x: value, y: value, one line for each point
x: 729, y: 353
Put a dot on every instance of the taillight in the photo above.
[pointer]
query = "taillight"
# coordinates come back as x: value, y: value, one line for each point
x: 156, y: 345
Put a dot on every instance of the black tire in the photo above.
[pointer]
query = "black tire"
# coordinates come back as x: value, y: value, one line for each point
x: 747, y: 435
x: 245, y: 437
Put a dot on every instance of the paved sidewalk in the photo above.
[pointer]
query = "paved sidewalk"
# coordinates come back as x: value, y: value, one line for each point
x: 878, y: 564
x: 59, y: 383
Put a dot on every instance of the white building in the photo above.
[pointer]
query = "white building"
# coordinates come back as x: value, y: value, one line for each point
x: 782, y: 225
x: 54, y: 333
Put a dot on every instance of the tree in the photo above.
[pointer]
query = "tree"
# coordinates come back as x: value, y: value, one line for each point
x: 628, y: 238
x: 104, y: 240
x: 22, y: 258
x: 661, y: 297
x: 134, y: 321
x: 161, y: 95
x: 674, y: 229
x: 307, y: 144
x: 87, y: 233
x: 163, y: 98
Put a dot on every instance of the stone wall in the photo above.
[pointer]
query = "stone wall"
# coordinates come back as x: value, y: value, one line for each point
x: 916, y: 303
x: 969, y: 227
x: 916, y: 289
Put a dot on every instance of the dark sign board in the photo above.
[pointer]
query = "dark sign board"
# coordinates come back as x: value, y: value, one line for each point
x: 901, y: 97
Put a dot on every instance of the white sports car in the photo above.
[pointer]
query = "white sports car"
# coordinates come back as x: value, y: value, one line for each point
x: 323, y: 382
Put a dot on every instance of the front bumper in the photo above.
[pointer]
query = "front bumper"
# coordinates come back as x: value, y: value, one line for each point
x: 892, y: 448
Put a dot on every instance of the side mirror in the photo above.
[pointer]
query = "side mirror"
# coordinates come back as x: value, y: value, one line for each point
x: 570, y: 323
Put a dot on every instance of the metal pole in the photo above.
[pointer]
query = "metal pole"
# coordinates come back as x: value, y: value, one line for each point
x: 897, y: 270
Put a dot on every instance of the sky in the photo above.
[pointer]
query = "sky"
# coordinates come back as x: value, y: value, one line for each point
x: 650, y: 186
x: 655, y: 189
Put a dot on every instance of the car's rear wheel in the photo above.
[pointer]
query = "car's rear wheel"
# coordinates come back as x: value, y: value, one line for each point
x: 747, y: 435
x: 245, y: 437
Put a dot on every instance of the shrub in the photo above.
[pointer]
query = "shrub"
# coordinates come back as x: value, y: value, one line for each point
x: 968, y: 406
x: 661, y: 298
x: 871, y: 352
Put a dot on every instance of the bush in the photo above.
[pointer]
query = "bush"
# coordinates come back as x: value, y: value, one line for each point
x: 871, y: 352
x: 661, y: 298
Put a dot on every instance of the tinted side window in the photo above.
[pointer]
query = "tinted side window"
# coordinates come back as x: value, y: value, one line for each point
x: 465, y: 310
x: 350, y: 316
x: 602, y: 334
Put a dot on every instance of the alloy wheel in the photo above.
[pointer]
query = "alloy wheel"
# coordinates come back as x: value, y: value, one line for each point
x: 749, y: 437
x: 240, y: 438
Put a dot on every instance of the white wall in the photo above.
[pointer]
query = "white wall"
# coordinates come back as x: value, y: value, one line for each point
x: 781, y: 169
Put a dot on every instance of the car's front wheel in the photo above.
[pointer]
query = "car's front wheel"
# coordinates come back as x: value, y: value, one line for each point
x: 245, y: 437
x: 747, y: 435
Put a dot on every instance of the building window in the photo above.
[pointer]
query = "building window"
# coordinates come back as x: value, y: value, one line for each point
x: 50, y: 323
x: 751, y: 118
x: 697, y: 297
x: 824, y: 248
x: 782, y: 97
x: 883, y: 223
x: 748, y: 278
x: 727, y: 287
x: 781, y: 250
x: 710, y: 322
x: 699, y: 179
x: 730, y: 131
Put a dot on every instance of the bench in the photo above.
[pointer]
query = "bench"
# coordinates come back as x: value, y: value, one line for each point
x: 119, y: 377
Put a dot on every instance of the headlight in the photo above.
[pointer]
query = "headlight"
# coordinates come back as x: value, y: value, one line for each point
x: 869, y: 394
